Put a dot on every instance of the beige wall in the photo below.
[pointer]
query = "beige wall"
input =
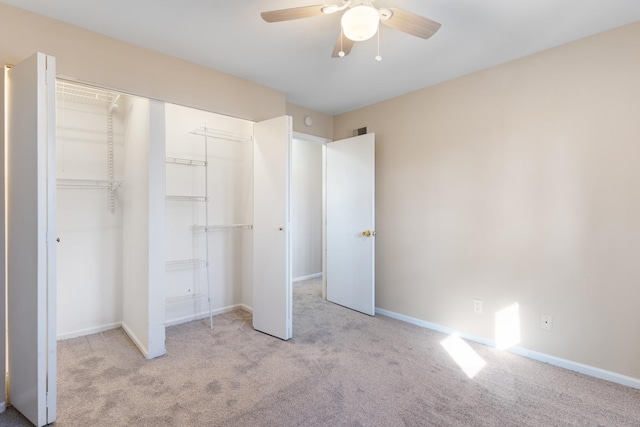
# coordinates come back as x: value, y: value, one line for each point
x: 518, y: 184
x: 110, y: 63
x: 322, y: 125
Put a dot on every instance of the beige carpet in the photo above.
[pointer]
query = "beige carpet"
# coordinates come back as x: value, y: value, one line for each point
x: 341, y: 368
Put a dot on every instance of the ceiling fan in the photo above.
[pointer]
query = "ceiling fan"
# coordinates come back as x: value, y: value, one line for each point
x: 359, y: 22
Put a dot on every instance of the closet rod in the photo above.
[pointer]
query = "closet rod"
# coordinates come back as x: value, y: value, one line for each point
x: 220, y: 134
x: 222, y: 227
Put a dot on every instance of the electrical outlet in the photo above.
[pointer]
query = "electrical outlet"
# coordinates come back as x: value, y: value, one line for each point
x: 546, y: 322
x: 477, y: 306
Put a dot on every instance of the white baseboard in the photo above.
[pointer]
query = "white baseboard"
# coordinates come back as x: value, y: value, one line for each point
x: 3, y: 406
x: 88, y: 331
x: 310, y: 276
x: 202, y: 315
x: 144, y: 350
x: 246, y: 308
x: 541, y: 357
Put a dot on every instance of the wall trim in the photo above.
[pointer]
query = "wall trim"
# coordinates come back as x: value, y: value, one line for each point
x: 3, y: 407
x: 310, y: 276
x: 310, y: 138
x: 246, y: 308
x: 89, y: 331
x: 134, y: 338
x: 530, y: 354
x: 202, y: 315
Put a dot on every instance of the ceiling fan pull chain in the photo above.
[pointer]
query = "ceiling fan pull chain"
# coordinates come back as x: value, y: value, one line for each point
x: 341, y: 53
x: 378, y: 57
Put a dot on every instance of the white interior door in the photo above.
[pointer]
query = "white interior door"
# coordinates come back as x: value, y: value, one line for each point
x: 31, y: 188
x: 271, y: 227
x: 350, y: 213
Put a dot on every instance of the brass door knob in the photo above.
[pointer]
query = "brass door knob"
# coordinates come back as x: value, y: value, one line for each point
x: 366, y: 233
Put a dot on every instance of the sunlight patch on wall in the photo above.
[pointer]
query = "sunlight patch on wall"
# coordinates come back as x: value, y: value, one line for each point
x: 469, y: 361
x: 507, y: 327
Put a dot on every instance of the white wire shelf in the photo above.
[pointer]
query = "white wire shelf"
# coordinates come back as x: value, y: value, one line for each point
x: 187, y: 198
x: 220, y: 134
x: 184, y: 263
x: 222, y: 227
x: 186, y: 299
x: 72, y: 92
x: 185, y: 162
x: 88, y: 183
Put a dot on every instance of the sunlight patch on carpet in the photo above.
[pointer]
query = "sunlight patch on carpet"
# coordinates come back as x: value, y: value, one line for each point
x: 469, y: 361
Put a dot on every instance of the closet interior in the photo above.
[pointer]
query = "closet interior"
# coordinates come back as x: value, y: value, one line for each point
x: 108, y: 196
x: 90, y: 150
x: 208, y: 212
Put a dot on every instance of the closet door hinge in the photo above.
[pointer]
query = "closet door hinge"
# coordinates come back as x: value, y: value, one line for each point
x: 49, y: 70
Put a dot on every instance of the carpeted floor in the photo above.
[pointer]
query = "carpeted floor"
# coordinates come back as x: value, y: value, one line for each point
x: 341, y: 368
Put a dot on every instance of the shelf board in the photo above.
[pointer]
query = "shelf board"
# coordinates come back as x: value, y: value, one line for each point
x: 185, y: 299
x: 222, y: 227
x: 187, y: 198
x: 67, y: 91
x: 88, y: 183
x: 184, y: 263
x: 185, y: 162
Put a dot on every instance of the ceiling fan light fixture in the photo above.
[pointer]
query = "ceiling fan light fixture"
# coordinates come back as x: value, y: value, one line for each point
x: 360, y: 23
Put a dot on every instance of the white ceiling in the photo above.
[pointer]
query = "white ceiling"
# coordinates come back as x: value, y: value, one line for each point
x: 295, y: 56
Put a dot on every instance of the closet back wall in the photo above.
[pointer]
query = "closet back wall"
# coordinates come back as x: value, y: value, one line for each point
x: 89, y: 268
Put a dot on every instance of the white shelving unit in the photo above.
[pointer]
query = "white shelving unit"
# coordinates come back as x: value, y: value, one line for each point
x: 70, y: 92
x: 192, y: 297
x: 205, y: 167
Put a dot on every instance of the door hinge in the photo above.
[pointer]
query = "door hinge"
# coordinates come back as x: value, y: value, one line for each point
x: 49, y: 73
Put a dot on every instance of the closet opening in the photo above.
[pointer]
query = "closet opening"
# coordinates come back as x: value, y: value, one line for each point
x: 153, y: 213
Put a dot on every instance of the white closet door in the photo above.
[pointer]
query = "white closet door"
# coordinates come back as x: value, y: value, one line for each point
x: 31, y: 252
x: 350, y: 201
x: 271, y: 227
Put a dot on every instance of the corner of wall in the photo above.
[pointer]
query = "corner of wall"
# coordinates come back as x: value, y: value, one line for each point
x: 321, y: 124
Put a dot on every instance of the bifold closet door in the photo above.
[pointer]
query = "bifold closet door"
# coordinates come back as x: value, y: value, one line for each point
x: 271, y: 227
x: 31, y: 238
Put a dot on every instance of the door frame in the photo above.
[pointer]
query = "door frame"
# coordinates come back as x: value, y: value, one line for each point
x: 322, y: 141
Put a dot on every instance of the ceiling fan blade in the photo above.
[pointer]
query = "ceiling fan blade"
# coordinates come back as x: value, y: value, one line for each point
x: 345, y: 44
x: 293, y: 13
x: 411, y: 23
